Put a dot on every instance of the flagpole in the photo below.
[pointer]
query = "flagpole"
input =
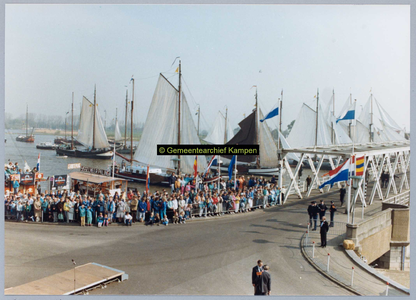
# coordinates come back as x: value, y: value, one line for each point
x: 219, y: 173
x: 235, y: 170
x: 280, y: 148
x: 349, y: 198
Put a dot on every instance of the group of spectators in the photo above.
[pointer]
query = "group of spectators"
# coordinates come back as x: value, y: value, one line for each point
x: 174, y: 206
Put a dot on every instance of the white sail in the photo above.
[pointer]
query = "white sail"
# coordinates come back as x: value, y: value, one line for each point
x: 304, y: 130
x: 117, y: 134
x: 268, y: 148
x: 101, y: 140
x: 189, y: 135
x: 285, y: 145
x: 161, y: 127
x: 216, y: 134
x: 85, y: 132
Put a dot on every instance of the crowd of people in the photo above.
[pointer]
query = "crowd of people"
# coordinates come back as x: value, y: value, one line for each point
x: 166, y: 206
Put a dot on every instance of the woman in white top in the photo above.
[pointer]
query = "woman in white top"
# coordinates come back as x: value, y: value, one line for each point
x: 71, y: 210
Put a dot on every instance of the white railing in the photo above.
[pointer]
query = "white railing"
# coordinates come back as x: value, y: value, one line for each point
x: 402, y: 199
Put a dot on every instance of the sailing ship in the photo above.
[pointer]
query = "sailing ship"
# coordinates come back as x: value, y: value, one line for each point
x: 221, y: 131
x: 121, y: 147
x: 169, y: 121
x: 91, y: 134
x: 26, y: 138
x: 254, y: 132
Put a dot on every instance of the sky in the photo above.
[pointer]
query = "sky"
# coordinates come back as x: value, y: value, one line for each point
x: 54, y: 50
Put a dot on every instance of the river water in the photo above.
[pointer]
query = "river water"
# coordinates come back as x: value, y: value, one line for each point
x: 50, y: 163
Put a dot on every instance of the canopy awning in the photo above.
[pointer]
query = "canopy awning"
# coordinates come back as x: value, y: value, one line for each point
x: 94, y: 178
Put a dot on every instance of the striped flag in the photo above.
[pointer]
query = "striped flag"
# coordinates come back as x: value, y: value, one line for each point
x: 338, y: 174
x: 359, y: 166
x: 214, y: 157
x: 196, y: 166
x: 38, y: 165
x: 147, y: 181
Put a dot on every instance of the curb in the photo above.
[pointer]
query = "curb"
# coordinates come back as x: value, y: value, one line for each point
x: 354, y: 258
x: 348, y: 288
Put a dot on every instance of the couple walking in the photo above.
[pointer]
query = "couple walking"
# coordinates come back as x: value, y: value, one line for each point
x: 261, y: 279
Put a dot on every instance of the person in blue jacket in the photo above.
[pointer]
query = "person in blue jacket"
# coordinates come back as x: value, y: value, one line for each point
x: 89, y: 216
x: 163, y: 206
x: 16, y: 186
x: 142, y: 209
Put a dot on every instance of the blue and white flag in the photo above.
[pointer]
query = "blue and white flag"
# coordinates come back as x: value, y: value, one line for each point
x: 38, y: 164
x: 211, y: 162
x: 350, y: 114
x: 231, y: 168
x: 338, y: 174
x: 271, y: 114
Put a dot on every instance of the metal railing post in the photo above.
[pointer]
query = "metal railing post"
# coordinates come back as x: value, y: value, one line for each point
x: 307, y: 237
x: 387, y: 288
x: 352, y: 277
x: 327, y: 265
x: 313, y: 249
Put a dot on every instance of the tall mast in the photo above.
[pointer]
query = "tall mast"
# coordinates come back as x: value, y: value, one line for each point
x: 333, y: 114
x: 316, y: 125
x: 65, y: 124
x: 27, y: 113
x: 93, y: 123
x: 131, y: 118
x: 257, y: 130
x: 349, y: 125
x: 125, y: 121
x: 225, y: 127
x: 371, y: 124
x: 279, y: 143
x: 72, y: 122
x: 179, y: 117
x: 199, y: 114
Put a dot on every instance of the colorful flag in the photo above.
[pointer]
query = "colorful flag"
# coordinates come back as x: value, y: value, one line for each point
x: 38, y: 165
x: 271, y: 114
x: 338, y: 174
x: 359, y: 166
x: 196, y: 166
x: 350, y: 114
x: 211, y: 162
x: 231, y: 167
x: 147, y: 181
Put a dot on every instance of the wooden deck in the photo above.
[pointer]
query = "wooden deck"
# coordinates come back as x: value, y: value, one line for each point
x: 86, y: 276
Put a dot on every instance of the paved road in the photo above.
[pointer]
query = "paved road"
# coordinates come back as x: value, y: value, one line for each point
x: 203, y: 257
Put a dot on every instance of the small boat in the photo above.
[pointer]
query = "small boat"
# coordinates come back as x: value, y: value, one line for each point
x: 26, y: 138
x: 46, y: 146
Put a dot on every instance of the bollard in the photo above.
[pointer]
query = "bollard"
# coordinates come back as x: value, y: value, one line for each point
x: 352, y: 276
x: 307, y: 237
x: 387, y: 288
x: 327, y: 265
x: 313, y: 249
x: 309, y: 224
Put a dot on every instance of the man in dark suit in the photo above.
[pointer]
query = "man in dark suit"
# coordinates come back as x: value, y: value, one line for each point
x: 322, y: 209
x: 256, y: 273
x: 313, y: 211
x: 264, y: 283
x: 324, y: 231
x: 342, y: 193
